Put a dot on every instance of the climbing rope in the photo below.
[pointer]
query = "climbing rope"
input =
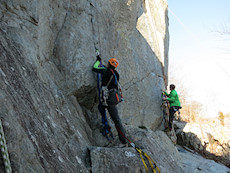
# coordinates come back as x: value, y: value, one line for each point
x: 106, y: 129
x: 98, y: 30
x: 4, y: 151
x: 141, y: 153
x: 150, y: 160
x: 96, y: 25
x: 165, y: 108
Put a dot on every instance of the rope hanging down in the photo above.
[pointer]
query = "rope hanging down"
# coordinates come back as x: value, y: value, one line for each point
x: 141, y: 152
x: 165, y: 107
x: 106, y: 129
x: 4, y: 151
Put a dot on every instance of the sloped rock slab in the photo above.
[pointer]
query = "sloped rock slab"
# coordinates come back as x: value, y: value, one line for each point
x: 127, y: 159
x: 195, y: 163
x: 109, y: 160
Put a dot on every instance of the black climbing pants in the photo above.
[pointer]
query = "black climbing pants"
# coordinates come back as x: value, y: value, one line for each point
x: 172, y: 111
x: 112, y: 109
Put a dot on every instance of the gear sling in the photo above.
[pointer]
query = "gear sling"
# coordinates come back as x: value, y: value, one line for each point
x: 114, y: 96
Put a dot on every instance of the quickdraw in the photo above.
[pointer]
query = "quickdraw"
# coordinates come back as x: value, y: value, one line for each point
x: 164, y: 96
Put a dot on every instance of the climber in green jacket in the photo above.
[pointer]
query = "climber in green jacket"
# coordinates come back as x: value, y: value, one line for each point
x: 174, y: 102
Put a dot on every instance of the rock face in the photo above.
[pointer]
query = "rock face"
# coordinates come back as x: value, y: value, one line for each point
x: 48, y: 96
x: 194, y: 163
x: 209, y: 139
x: 127, y: 160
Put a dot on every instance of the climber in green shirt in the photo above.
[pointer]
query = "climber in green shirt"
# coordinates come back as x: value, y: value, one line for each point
x: 174, y: 102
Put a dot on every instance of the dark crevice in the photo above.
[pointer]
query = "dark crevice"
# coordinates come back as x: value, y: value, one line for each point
x: 88, y: 162
x: 134, y: 82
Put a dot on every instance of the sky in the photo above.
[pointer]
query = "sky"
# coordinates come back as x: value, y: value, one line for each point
x: 199, y: 55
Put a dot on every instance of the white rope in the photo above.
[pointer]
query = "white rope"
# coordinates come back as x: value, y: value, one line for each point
x: 185, y: 27
x: 4, y: 151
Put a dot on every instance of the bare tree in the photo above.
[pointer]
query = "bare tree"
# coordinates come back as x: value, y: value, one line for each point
x: 223, y: 30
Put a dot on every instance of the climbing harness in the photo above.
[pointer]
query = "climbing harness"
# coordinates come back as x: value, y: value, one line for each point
x: 114, y: 95
x: 4, y: 151
x: 153, y: 165
x: 106, y: 129
x: 119, y: 95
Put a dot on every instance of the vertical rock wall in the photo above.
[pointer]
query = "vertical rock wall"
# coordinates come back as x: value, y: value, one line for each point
x: 48, y: 99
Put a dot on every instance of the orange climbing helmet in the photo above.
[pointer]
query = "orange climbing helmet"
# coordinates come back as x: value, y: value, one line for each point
x: 114, y: 62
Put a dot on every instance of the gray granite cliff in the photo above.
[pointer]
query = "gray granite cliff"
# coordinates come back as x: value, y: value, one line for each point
x: 48, y: 92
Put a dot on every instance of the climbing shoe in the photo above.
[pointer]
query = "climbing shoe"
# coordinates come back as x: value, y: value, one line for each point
x: 122, y: 145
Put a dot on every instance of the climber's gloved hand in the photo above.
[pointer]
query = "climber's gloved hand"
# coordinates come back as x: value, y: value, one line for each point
x: 98, y: 57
